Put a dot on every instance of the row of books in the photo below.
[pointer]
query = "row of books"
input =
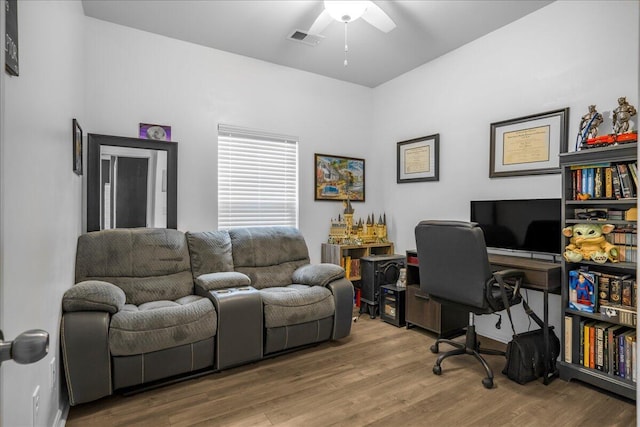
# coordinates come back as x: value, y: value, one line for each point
x: 605, y: 181
x: 626, y: 239
x: 351, y: 267
x: 590, y: 289
x: 604, y: 346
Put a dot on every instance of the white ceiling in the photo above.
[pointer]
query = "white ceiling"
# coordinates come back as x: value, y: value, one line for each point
x: 260, y: 29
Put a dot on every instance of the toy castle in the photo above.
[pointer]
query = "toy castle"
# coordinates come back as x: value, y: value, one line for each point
x: 344, y: 232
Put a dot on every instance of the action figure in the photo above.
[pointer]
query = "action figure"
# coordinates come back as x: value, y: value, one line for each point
x: 584, y: 289
x: 621, y: 116
x: 589, y: 124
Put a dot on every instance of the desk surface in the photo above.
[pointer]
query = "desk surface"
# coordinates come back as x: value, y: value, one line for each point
x: 539, y: 275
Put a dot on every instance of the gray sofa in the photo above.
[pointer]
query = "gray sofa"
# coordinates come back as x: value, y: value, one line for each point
x: 153, y: 304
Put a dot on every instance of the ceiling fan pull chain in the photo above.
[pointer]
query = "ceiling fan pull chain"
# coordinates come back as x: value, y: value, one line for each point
x: 346, y: 47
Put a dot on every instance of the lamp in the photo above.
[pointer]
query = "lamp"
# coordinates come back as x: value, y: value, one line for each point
x: 346, y: 11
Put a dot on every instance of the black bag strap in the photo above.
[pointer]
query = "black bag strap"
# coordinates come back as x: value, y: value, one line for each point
x: 503, y: 292
x: 526, y: 307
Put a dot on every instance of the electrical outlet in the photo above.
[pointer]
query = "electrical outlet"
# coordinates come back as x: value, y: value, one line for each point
x: 53, y: 372
x: 35, y: 405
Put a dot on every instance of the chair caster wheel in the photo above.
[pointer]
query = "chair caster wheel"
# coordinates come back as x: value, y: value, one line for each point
x: 434, y: 348
x: 487, y: 382
x: 437, y: 369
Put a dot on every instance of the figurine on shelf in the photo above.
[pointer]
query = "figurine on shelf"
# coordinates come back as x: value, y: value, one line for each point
x: 621, y: 115
x: 589, y: 124
x: 587, y: 242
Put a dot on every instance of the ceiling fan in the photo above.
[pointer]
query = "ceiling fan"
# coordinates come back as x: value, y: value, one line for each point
x: 349, y: 11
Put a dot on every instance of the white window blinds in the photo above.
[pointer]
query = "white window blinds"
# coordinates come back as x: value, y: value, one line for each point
x: 257, y: 178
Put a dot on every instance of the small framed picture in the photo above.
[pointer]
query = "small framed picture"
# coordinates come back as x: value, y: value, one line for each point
x: 77, y: 147
x: 418, y: 159
x: 157, y: 132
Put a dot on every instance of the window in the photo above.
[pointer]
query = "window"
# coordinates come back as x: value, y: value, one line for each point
x: 257, y: 178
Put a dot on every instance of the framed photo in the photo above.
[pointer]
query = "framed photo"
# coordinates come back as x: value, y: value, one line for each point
x: 339, y: 178
x: 529, y: 145
x: 157, y: 132
x: 11, y: 57
x: 418, y: 159
x: 77, y: 147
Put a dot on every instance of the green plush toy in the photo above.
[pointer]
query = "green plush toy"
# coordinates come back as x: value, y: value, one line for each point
x: 588, y: 242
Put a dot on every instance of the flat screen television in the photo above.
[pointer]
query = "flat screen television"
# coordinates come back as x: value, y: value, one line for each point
x: 520, y: 225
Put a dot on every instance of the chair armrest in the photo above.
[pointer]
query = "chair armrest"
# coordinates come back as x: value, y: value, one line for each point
x: 342, y: 290
x: 220, y: 280
x: 93, y: 295
x: 317, y: 274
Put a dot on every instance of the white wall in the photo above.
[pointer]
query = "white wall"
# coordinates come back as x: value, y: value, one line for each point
x: 559, y: 56
x: 41, y: 196
x: 135, y: 76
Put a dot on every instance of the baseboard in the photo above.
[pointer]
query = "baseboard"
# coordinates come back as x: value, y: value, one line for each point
x: 61, y: 415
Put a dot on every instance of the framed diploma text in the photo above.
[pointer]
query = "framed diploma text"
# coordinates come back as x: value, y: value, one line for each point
x: 418, y: 159
x: 529, y: 145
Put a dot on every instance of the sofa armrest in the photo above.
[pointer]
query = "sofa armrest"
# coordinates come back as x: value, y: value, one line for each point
x: 84, y: 338
x: 317, y: 274
x: 93, y: 295
x: 342, y: 290
x: 220, y: 280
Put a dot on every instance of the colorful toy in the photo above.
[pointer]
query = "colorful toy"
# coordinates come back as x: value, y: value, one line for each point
x: 587, y: 241
x: 582, y: 285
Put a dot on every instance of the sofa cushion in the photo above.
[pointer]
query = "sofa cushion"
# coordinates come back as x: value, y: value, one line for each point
x: 158, y: 325
x: 131, y: 252
x: 274, y: 275
x: 210, y: 252
x: 266, y: 246
x: 295, y: 304
x: 268, y: 255
x: 148, y: 264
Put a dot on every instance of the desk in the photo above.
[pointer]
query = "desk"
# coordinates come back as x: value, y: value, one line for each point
x: 539, y: 275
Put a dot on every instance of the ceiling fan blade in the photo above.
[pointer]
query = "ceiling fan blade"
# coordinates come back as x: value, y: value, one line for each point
x: 322, y: 21
x: 376, y: 17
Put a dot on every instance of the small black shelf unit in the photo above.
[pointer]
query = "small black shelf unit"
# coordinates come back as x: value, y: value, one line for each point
x: 625, y: 153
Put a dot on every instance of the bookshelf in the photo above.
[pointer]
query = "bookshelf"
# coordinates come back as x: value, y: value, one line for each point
x: 591, y: 349
x: 348, y: 256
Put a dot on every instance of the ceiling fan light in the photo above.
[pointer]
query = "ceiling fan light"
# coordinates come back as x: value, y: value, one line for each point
x: 345, y: 11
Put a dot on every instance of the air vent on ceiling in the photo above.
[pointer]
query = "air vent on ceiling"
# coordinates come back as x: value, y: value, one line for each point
x: 306, y: 38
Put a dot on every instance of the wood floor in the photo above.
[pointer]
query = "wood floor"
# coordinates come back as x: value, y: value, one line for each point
x: 380, y: 375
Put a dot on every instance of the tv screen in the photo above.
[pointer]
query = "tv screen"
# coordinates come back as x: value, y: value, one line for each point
x: 523, y: 225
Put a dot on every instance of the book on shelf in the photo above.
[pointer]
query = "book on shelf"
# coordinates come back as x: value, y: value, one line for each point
x: 568, y: 343
x: 609, y: 287
x: 629, y: 337
x: 604, y: 180
x: 634, y: 356
x: 608, y: 183
x: 619, y: 314
x: 615, y: 290
x: 586, y: 343
x: 599, y: 341
x: 354, y: 270
x: 627, y: 289
x: 626, y: 187
x: 633, y: 170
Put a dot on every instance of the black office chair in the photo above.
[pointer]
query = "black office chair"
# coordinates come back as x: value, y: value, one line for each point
x: 454, y: 270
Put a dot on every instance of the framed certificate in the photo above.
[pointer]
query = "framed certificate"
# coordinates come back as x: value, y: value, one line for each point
x: 418, y: 159
x: 529, y: 145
